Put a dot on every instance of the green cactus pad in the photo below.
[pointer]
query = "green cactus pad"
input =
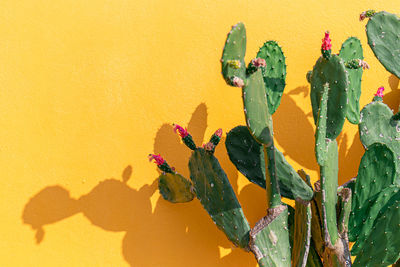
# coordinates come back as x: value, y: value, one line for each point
x: 274, y: 73
x: 271, y: 177
x: 329, y: 184
x: 247, y: 155
x: 352, y: 49
x: 334, y: 73
x: 269, y: 239
x: 373, y: 176
x: 215, y: 193
x: 302, y: 234
x: 377, y: 125
x: 377, y: 206
x: 383, y: 31
x: 255, y: 105
x: 382, y: 247
x: 232, y: 60
x: 175, y: 188
x: 321, y: 145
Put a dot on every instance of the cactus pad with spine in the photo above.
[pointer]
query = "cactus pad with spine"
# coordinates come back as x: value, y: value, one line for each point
x: 175, y: 188
x: 352, y: 49
x: 215, y: 193
x: 377, y: 125
x: 329, y: 184
x: 255, y: 105
x: 232, y: 60
x: 274, y: 73
x: 373, y: 177
x: 321, y: 145
x: 334, y: 73
x: 269, y: 239
x: 248, y: 157
x: 382, y: 247
x: 377, y: 207
x: 383, y: 32
x: 302, y: 234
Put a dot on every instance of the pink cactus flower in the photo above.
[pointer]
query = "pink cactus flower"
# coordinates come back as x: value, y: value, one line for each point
x: 363, y: 15
x: 218, y: 132
x: 379, y: 93
x: 209, y: 146
x: 258, y: 62
x: 237, y: 82
x: 326, y: 42
x: 157, y: 159
x: 363, y: 64
x: 181, y: 131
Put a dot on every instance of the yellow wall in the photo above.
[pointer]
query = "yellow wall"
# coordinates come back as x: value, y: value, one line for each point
x: 90, y: 88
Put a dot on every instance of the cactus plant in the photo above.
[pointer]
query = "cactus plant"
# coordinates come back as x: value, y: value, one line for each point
x: 317, y: 231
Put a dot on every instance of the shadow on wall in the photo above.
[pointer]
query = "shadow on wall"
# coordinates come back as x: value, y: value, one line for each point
x: 162, y: 236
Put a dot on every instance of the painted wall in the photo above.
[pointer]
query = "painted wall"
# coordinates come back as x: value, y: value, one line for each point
x: 90, y: 88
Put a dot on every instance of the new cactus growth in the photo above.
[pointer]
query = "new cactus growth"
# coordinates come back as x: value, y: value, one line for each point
x: 317, y: 231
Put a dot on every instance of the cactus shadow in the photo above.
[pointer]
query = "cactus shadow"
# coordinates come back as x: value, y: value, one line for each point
x: 154, y: 235
x: 392, y: 98
x: 293, y: 130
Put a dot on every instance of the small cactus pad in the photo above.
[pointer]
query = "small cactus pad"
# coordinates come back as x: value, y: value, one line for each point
x: 376, y: 207
x: 352, y: 49
x: 215, y: 193
x: 321, y: 145
x: 383, y: 31
x: 329, y: 184
x: 302, y: 234
x: 269, y: 239
x: 247, y: 155
x: 255, y: 105
x: 271, y: 177
x: 334, y: 73
x: 232, y: 60
x: 175, y: 188
x: 274, y: 73
x: 377, y: 125
x: 373, y: 176
x: 382, y: 247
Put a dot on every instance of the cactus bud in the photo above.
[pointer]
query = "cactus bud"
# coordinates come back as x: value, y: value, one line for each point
x: 216, y: 137
x: 356, y: 64
x: 236, y: 81
x: 255, y: 64
x: 379, y: 94
x: 367, y: 14
x: 326, y: 46
x: 186, y: 137
x: 161, y: 163
x: 209, y: 147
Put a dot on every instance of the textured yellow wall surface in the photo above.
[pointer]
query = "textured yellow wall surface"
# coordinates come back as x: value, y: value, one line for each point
x: 89, y: 88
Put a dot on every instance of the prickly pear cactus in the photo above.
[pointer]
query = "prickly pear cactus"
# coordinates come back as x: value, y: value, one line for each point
x: 274, y: 73
x: 331, y: 71
x: 352, y: 50
x: 232, y: 61
x: 373, y: 177
x: 215, y: 193
x: 383, y: 31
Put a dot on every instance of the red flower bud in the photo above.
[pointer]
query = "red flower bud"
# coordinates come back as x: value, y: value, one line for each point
x: 326, y: 42
x: 157, y: 159
x: 182, y: 132
x: 379, y: 93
